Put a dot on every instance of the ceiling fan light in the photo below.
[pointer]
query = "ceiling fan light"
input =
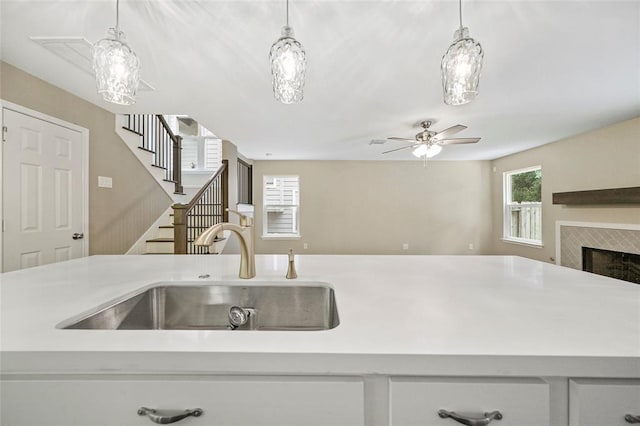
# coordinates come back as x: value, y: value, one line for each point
x: 420, y: 150
x: 461, y: 66
x: 427, y: 151
x: 117, y: 69
x: 288, y: 67
x: 433, y: 150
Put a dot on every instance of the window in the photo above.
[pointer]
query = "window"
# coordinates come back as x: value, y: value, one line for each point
x: 523, y: 205
x: 281, y: 201
x: 201, y: 153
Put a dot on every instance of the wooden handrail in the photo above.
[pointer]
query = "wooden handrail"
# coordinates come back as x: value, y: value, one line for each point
x: 206, y: 186
x: 166, y: 126
x: 206, y: 208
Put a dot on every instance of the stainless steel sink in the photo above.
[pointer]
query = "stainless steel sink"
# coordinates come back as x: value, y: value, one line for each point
x: 213, y: 307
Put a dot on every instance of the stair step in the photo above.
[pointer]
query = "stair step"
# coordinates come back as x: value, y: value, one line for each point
x: 160, y: 245
x: 160, y: 240
x: 146, y: 149
x: 158, y: 167
x: 165, y: 231
x: 132, y: 131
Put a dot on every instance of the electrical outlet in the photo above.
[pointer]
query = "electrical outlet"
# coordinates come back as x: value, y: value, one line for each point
x: 405, y: 246
x: 305, y: 246
x: 470, y: 246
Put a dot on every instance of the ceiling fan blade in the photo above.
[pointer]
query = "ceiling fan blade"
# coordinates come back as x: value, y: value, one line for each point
x: 402, y: 139
x: 450, y: 131
x: 458, y: 140
x: 404, y: 147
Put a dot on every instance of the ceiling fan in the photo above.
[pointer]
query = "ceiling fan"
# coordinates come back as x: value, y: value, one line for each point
x: 428, y: 143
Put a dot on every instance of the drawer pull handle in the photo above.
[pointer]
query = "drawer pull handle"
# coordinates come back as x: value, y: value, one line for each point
x: 165, y: 417
x: 630, y: 418
x: 471, y: 421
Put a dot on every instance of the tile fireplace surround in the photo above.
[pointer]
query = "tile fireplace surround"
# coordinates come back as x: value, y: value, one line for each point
x: 572, y: 236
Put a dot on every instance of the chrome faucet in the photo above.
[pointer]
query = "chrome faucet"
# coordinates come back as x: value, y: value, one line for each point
x: 244, y: 231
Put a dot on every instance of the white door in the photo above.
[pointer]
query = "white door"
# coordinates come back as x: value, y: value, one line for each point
x: 43, y: 197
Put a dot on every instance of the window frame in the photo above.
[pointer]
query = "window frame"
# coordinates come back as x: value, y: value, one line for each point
x: 508, y: 205
x: 273, y: 235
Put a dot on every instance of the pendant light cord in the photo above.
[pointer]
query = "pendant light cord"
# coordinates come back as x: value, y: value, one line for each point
x: 287, y: 13
x: 117, y: 15
x: 460, y: 9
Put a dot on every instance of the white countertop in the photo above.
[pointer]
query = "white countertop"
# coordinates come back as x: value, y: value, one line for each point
x: 442, y: 315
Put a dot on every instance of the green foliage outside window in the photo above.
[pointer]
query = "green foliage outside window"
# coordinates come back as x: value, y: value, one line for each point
x: 526, y: 187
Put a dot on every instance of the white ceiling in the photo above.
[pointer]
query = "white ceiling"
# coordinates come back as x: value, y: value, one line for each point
x: 552, y: 69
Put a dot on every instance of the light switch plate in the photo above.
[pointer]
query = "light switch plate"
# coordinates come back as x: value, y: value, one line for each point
x: 105, y: 182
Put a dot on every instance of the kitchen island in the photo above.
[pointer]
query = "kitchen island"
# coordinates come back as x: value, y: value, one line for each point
x: 542, y: 344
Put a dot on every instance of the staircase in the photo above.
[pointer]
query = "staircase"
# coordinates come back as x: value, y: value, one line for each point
x: 154, y: 144
x: 159, y: 150
x: 163, y: 240
x: 207, y: 208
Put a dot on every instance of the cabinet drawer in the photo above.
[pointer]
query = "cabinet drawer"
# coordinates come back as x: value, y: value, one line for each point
x: 603, y: 402
x: 416, y: 401
x: 226, y: 400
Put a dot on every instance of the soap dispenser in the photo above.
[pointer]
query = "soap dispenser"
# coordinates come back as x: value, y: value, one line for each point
x: 291, y: 270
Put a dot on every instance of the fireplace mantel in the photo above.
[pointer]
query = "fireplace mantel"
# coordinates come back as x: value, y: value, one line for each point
x: 629, y: 195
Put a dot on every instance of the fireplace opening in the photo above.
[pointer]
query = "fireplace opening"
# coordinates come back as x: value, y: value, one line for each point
x: 614, y: 264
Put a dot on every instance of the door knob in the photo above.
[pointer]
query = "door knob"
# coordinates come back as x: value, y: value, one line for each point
x: 77, y: 236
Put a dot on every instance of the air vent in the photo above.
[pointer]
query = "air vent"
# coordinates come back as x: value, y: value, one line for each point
x: 377, y: 141
x: 76, y: 51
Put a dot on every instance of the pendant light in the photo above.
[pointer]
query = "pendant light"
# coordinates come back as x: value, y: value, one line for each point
x: 461, y: 66
x: 116, y: 66
x: 288, y: 66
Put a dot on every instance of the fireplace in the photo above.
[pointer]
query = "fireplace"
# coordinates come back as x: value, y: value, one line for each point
x: 607, y: 238
x: 610, y: 263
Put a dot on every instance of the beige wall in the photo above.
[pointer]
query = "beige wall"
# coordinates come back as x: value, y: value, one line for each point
x: 117, y: 216
x: 373, y: 207
x: 604, y: 158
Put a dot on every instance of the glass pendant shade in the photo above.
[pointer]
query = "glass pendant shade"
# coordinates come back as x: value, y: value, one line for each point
x: 428, y: 151
x: 288, y: 67
x: 461, y: 66
x: 117, y: 69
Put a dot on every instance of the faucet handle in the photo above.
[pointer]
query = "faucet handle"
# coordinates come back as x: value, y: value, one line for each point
x: 244, y: 219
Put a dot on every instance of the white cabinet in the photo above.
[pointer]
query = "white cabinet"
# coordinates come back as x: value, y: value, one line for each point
x: 238, y: 400
x: 603, y: 402
x: 417, y: 401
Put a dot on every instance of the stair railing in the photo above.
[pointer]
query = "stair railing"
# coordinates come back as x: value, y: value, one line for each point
x: 157, y: 138
x: 208, y: 207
